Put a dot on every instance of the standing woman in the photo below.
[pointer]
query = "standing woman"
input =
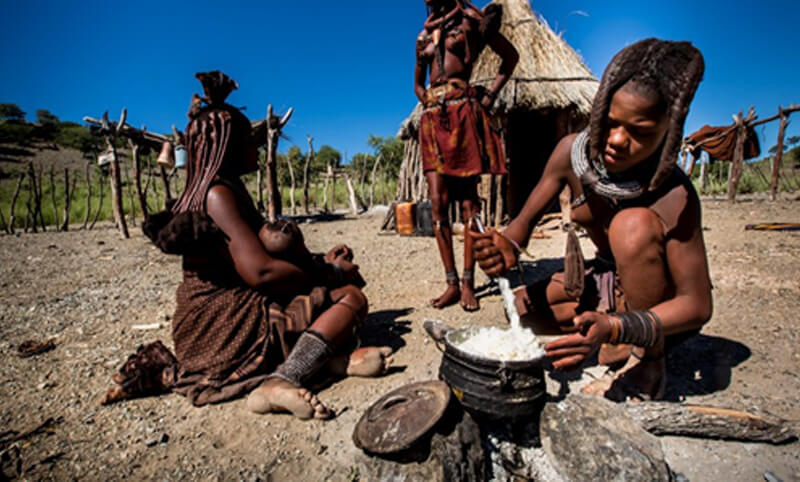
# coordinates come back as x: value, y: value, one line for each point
x: 457, y: 136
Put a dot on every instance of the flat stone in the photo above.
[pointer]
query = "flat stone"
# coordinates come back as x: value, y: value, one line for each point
x: 591, y: 438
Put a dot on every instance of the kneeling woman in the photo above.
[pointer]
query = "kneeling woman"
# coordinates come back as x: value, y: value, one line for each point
x: 247, y: 320
x: 648, y: 286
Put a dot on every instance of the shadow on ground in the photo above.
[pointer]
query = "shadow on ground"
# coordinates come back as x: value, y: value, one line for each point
x: 702, y: 365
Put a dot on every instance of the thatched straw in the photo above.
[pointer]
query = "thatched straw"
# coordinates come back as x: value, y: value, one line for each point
x: 549, y: 75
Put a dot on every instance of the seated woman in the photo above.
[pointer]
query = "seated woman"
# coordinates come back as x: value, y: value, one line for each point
x: 649, y: 283
x: 252, y: 316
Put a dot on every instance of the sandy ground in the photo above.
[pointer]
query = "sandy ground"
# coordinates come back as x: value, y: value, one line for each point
x: 87, y: 290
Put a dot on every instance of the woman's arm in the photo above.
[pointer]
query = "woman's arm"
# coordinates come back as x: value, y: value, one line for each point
x: 420, y: 74
x: 490, y: 250
x: 250, y: 259
x: 509, y: 58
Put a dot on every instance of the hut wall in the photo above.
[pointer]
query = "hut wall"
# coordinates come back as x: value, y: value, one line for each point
x: 531, y: 138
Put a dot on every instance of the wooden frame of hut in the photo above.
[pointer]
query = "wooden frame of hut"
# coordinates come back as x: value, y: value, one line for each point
x: 549, y: 96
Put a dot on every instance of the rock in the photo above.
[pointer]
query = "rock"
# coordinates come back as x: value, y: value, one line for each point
x: 591, y: 438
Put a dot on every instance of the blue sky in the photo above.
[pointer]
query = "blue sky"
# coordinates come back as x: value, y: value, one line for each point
x: 347, y: 66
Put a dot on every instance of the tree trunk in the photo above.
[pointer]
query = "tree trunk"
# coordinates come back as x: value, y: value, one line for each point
x: 88, y: 195
x: 100, y: 182
x: 328, y: 176
x: 130, y: 195
x: 3, y: 224
x: 260, y: 187
x: 11, y: 215
x: 372, y: 181
x: 116, y: 191
x: 306, y: 166
x: 69, y: 192
x: 165, y: 184
x: 703, y: 174
x: 692, y: 162
x: 36, y: 196
x: 773, y: 190
x: 356, y: 206
x: 52, y: 177
x: 291, y: 186
x: 137, y: 178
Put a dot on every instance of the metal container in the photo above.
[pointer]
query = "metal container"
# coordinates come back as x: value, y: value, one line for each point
x: 499, y: 389
x: 180, y: 156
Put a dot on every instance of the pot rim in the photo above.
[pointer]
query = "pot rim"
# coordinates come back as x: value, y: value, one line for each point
x: 513, y: 364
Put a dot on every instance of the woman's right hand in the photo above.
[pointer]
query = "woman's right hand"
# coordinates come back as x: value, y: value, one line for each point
x: 338, y: 253
x: 495, y: 254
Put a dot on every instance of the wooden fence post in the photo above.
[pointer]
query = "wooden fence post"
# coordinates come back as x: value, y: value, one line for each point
x: 137, y: 178
x: 100, y: 183
x: 69, y: 192
x: 738, y: 158
x: 274, y: 127
x: 11, y: 215
x: 306, y: 166
x: 116, y: 179
x: 88, y: 195
x: 52, y: 177
x: 773, y: 190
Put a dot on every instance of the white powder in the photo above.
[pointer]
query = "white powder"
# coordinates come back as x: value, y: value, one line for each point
x: 516, y: 344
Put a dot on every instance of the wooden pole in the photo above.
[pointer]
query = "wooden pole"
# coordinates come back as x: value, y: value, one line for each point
x: 306, y: 166
x: 165, y: 184
x: 11, y: 215
x: 356, y: 206
x: 3, y: 222
x: 69, y: 192
x: 291, y: 186
x: 137, y: 178
x: 738, y: 159
x: 88, y: 195
x: 274, y: 127
x: 703, y: 173
x: 372, y: 181
x: 52, y: 177
x: 116, y: 178
x: 100, y: 183
x: 36, y: 193
x: 333, y: 189
x: 773, y: 191
x: 260, y: 187
x: 692, y: 162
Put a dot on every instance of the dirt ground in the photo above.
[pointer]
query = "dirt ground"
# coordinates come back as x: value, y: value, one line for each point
x: 87, y: 290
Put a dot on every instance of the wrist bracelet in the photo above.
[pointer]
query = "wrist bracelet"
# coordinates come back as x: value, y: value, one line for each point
x: 639, y: 328
x: 615, y: 329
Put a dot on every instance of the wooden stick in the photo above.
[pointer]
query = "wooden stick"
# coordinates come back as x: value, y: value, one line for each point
x: 274, y: 127
x: 88, y: 195
x: 165, y: 185
x: 116, y: 180
x: 39, y: 195
x: 773, y: 190
x: 662, y: 418
x: 291, y: 185
x: 3, y: 222
x: 372, y: 181
x: 738, y: 159
x: 309, y: 156
x: 356, y: 206
x: 12, y: 215
x: 52, y: 177
x: 137, y: 178
x: 100, y: 182
x: 69, y: 192
x: 130, y: 195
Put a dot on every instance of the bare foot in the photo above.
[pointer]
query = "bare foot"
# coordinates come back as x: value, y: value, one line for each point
x: 369, y: 361
x: 449, y: 297
x: 613, y: 354
x: 638, y: 380
x: 278, y: 395
x: 469, y: 302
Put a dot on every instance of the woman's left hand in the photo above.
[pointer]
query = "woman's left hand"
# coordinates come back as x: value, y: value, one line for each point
x: 338, y: 253
x: 487, y: 100
x: 594, y: 329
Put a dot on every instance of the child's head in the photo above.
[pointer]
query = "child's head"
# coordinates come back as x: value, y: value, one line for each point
x: 642, y: 103
x: 283, y: 240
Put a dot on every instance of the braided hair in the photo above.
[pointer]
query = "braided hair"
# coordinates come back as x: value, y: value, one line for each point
x: 215, y: 138
x: 672, y: 70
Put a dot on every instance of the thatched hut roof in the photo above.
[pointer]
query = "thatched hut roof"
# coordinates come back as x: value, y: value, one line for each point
x: 549, y: 75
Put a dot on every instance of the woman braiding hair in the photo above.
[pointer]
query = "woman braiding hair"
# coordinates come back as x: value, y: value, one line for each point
x: 647, y: 288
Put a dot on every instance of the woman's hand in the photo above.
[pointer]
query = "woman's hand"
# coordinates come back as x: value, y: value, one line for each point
x: 594, y: 329
x: 487, y: 100
x: 339, y: 252
x: 495, y: 254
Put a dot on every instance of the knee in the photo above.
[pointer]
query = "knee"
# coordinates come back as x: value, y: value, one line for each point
x: 438, y: 205
x: 635, y: 233
x: 356, y: 300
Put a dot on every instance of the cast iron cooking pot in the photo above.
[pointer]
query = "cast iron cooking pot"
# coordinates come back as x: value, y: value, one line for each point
x: 499, y: 389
